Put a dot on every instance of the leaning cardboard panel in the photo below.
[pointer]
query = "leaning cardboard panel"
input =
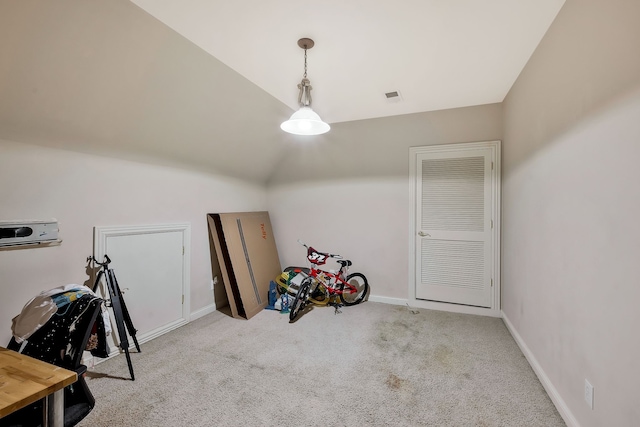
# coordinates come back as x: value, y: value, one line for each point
x: 246, y: 254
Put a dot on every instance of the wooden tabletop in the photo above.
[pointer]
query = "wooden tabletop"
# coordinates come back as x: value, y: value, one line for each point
x: 24, y: 380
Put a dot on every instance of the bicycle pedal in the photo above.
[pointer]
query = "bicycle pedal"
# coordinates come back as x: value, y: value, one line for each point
x: 337, y: 309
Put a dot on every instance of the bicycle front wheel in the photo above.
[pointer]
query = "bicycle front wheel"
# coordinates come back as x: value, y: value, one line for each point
x: 355, y: 295
x: 301, y: 299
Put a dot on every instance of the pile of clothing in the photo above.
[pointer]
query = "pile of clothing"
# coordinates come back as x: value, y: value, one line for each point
x: 57, y: 311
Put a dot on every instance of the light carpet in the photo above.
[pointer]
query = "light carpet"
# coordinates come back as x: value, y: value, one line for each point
x: 371, y: 365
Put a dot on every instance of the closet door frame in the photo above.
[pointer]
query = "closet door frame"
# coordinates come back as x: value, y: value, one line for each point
x: 102, y: 237
x: 494, y: 310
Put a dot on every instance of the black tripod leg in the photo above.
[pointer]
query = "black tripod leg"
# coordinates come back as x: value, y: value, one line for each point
x: 116, y: 305
x: 125, y: 313
x: 126, y: 352
x: 130, y: 328
x: 96, y: 284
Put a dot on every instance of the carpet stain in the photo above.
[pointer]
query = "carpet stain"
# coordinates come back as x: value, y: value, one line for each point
x: 403, y: 390
x: 259, y: 367
x: 399, y: 329
x: 394, y: 382
x: 444, y: 355
x: 239, y: 359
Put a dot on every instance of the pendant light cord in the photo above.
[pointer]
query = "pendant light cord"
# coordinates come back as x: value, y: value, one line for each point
x: 305, y: 62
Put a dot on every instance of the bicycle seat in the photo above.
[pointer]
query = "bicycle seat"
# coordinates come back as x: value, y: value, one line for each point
x: 345, y: 263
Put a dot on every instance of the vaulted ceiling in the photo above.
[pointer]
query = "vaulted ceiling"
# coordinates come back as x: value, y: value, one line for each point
x: 204, y: 84
x: 437, y: 54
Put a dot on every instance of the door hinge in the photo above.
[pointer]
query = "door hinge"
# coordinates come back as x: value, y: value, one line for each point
x: 183, y: 250
x: 182, y: 299
x: 491, y: 165
x: 492, y: 283
x: 492, y: 224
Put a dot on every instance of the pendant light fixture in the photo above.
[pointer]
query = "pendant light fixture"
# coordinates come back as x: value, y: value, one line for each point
x: 305, y: 121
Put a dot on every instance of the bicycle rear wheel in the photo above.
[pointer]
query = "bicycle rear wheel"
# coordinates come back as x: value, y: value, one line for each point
x: 355, y: 296
x: 301, y: 299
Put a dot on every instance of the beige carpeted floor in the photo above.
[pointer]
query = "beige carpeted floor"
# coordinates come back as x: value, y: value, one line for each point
x: 372, y: 365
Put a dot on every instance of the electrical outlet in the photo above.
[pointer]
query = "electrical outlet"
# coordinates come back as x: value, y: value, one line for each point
x: 588, y: 393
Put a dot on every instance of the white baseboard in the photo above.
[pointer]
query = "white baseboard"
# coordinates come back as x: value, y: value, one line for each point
x: 387, y: 300
x: 432, y: 305
x: 203, y: 312
x: 455, y: 308
x: 91, y: 361
x: 557, y: 400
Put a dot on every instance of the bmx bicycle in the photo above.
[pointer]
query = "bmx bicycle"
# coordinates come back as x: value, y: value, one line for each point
x: 321, y: 286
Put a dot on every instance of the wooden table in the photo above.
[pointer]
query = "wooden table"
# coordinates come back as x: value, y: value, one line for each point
x: 24, y: 380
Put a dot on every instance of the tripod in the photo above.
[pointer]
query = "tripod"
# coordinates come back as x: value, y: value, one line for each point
x: 120, y: 312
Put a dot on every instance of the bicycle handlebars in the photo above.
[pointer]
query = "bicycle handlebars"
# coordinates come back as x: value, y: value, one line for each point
x: 329, y: 255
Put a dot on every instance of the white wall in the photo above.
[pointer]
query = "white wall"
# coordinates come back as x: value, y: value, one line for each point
x: 348, y: 192
x: 571, y: 235
x: 82, y: 191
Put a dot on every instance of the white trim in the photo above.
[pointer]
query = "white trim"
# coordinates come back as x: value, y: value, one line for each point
x: 433, y: 305
x: 553, y: 393
x: 161, y: 331
x: 203, y: 311
x: 388, y: 300
x: 494, y: 310
x: 91, y: 360
x: 455, y: 308
x: 497, y: 214
x: 102, y: 234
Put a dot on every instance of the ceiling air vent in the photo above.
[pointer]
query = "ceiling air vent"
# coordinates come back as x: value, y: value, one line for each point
x: 393, y: 96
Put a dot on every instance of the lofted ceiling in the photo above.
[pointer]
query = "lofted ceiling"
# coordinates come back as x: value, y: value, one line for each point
x: 437, y: 54
x: 205, y: 84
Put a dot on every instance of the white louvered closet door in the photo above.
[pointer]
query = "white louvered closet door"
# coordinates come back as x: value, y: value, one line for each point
x: 454, y: 222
